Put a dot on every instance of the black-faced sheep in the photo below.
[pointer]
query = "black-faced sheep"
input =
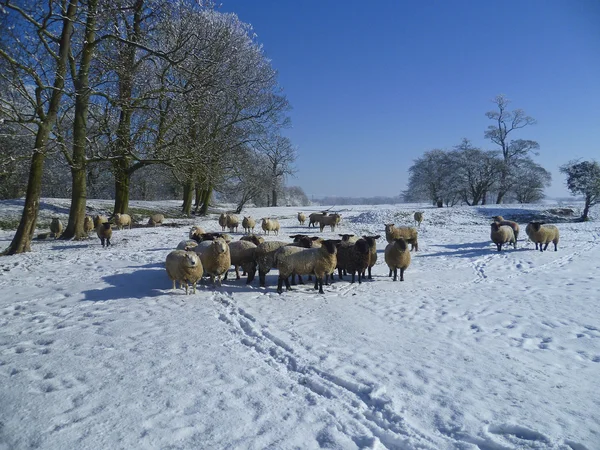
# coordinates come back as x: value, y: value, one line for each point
x: 409, y: 234
x: 248, y: 223
x: 353, y: 257
x: 301, y: 218
x: 185, y: 267
x: 418, y: 218
x: 98, y: 219
x: 320, y: 261
x: 542, y: 234
x: 242, y: 254
x: 502, y: 234
x: 156, y: 219
x: 104, y: 232
x: 56, y: 227
x: 510, y: 223
x: 397, y: 257
x: 350, y: 238
x: 122, y: 220
x: 372, y: 243
x: 265, y: 256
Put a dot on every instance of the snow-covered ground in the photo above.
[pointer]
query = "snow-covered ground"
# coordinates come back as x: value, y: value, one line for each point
x: 475, y: 350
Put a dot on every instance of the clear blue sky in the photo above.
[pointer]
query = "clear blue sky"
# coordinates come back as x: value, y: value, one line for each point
x: 375, y: 84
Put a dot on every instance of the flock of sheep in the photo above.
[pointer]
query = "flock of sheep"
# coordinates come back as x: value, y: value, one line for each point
x: 213, y: 254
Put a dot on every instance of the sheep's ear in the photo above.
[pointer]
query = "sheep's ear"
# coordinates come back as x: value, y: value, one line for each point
x: 315, y: 238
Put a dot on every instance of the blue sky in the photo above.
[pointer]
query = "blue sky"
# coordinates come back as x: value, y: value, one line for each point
x: 373, y: 85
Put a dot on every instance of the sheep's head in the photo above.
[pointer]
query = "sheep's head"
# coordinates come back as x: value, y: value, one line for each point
x: 495, y: 226
x: 220, y: 246
x: 191, y: 259
x: 371, y: 240
x: 498, y: 218
x: 401, y: 244
x: 535, y: 226
x: 346, y: 237
x: 388, y: 227
x: 252, y: 238
x: 106, y: 225
x: 331, y: 245
x: 361, y: 246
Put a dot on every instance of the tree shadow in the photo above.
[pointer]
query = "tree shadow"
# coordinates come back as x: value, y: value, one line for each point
x: 69, y: 247
x: 474, y: 252
x: 138, y: 284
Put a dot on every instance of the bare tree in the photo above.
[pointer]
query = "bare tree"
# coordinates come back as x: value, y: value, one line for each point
x: 280, y: 155
x: 35, y: 69
x: 505, y: 123
x: 477, y: 171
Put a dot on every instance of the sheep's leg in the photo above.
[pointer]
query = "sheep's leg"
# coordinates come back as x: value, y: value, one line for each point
x: 186, y: 288
x: 251, y: 275
x: 395, y: 273
x: 320, y: 281
x: 261, y: 278
x: 102, y: 241
x: 237, y: 273
x: 353, y: 277
x: 541, y: 247
x: 293, y: 277
x: 546, y: 246
x: 391, y: 271
x: 226, y: 274
x: 108, y: 242
x: 194, y: 287
x: 280, y: 285
x: 340, y: 273
x: 316, y: 283
x: 499, y: 245
x: 287, y: 284
x: 555, y: 246
x: 401, y: 274
x: 370, y: 277
x: 300, y: 280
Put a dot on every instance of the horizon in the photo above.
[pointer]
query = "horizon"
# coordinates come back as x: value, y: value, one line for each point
x: 372, y: 85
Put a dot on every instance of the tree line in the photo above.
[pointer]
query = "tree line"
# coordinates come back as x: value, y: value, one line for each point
x: 101, y: 91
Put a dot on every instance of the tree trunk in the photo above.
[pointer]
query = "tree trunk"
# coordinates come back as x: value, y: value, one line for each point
x: 484, y: 198
x: 440, y: 203
x: 122, y: 179
x: 274, y: 197
x: 198, y: 195
x: 78, y: 201
x: 586, y: 209
x: 22, y: 240
x: 500, y: 197
x: 206, y: 200
x: 188, y: 198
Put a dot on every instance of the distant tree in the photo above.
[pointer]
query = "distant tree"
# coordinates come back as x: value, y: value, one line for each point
x: 280, y: 155
x: 512, y: 151
x: 477, y: 172
x: 584, y: 178
x: 531, y: 181
x: 431, y: 177
x: 295, y: 196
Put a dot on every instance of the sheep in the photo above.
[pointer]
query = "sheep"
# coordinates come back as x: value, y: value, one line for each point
x: 104, y: 232
x: 501, y: 234
x: 543, y: 234
x: 301, y: 218
x: 156, y: 219
x: 187, y: 244
x: 122, y: 220
x: 510, y: 223
x: 372, y: 243
x: 232, y: 223
x: 88, y: 224
x: 185, y: 267
x: 269, y: 225
x: 196, y: 231
x: 331, y: 220
x: 248, y: 224
x: 409, y: 234
x: 215, y: 258
x: 315, y: 218
x: 353, y: 257
x: 56, y: 227
x: 98, y: 219
x: 350, y: 238
x: 211, y: 237
x: 265, y: 257
x: 223, y: 221
x: 397, y: 257
x: 320, y: 261
x: 418, y: 218
x: 256, y: 240
x: 242, y: 253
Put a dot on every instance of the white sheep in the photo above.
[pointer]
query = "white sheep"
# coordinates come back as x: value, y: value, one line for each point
x: 301, y: 218
x: 409, y: 234
x: 331, y: 220
x: 187, y: 244
x: 510, y: 223
x: 98, y: 219
x: 185, y: 267
x: 88, y: 224
x: 232, y: 223
x: 321, y: 261
x: 269, y: 225
x: 196, y: 231
x: 156, y: 219
x: 122, y: 220
x: 397, y: 257
x: 418, y: 218
x: 542, y: 234
x: 56, y: 227
x: 215, y: 258
x: 502, y: 234
x: 223, y: 221
x: 248, y: 223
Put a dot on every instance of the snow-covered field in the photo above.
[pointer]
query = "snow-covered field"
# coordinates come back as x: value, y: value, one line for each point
x: 475, y: 350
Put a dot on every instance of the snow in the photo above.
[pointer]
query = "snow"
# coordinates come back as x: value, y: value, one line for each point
x: 475, y: 350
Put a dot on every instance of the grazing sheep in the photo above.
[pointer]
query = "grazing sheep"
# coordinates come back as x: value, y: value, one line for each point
x: 104, y: 232
x: 510, y: 223
x: 321, y: 261
x: 215, y: 258
x: 372, y: 243
x: 242, y: 253
x: 269, y: 225
x: 223, y: 221
x: 156, y: 219
x: 98, y: 219
x: 187, y: 244
x: 256, y: 240
x: 196, y: 231
x: 56, y: 227
x: 543, y: 234
x: 248, y: 223
x: 418, y: 218
x: 353, y: 257
x: 88, y: 224
x: 301, y: 218
x: 502, y: 234
x: 409, y: 234
x: 232, y: 223
x: 185, y: 267
x: 315, y: 218
x: 122, y: 220
x: 397, y: 257
x: 331, y: 220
